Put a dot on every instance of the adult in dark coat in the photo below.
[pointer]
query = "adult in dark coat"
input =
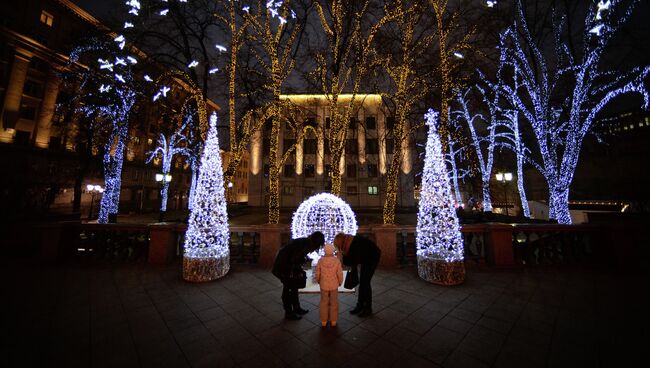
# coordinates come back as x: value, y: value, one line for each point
x: 289, y: 258
x: 360, y: 251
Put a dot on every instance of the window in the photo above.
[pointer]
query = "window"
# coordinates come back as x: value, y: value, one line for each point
x: 309, y: 170
x: 308, y: 191
x: 390, y: 146
x: 351, y: 170
x: 351, y: 146
x: 326, y: 146
x: 287, y: 189
x: 311, y: 122
x: 267, y: 169
x: 28, y: 112
x: 289, y: 171
x: 371, y: 123
x: 372, y: 148
x: 288, y: 144
x: 373, y: 190
x: 55, y: 143
x: 327, y: 122
x: 47, y: 18
x: 22, y: 138
x: 372, y: 170
x: 353, y: 123
x: 33, y: 89
x: 310, y: 146
x: 328, y: 169
x: 390, y: 122
x: 266, y: 143
x: 352, y: 191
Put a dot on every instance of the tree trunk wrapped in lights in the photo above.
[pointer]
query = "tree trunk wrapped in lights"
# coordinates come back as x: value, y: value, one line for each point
x: 275, y: 28
x: 560, y: 116
x: 343, y: 64
x: 410, y: 87
x: 438, y: 238
x: 207, y: 254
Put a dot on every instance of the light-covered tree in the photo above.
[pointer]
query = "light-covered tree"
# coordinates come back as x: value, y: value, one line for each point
x: 206, y: 250
x: 561, y: 93
x: 438, y: 239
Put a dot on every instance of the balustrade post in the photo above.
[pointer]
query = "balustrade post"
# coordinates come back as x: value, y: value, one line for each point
x: 498, y: 245
x: 162, y: 243
x: 270, y: 243
x: 386, y: 238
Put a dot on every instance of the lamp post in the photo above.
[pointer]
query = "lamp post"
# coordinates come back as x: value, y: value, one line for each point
x: 504, y: 178
x: 230, y: 199
x: 164, y: 180
x: 93, y: 190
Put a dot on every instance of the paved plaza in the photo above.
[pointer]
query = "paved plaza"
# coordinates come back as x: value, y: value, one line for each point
x: 102, y: 315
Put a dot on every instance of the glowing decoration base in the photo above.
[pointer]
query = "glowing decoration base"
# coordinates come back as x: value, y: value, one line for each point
x: 206, y: 250
x: 438, y: 238
x: 205, y: 269
x: 326, y: 213
x: 441, y: 272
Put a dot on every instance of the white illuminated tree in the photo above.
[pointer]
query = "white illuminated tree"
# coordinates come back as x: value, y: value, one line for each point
x: 454, y: 157
x: 206, y: 251
x: 166, y: 150
x: 438, y: 238
x: 561, y: 94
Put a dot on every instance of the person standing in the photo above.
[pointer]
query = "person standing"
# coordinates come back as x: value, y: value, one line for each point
x: 290, y: 258
x: 329, y: 275
x: 359, y: 251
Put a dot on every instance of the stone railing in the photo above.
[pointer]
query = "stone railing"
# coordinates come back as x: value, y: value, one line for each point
x: 496, y: 244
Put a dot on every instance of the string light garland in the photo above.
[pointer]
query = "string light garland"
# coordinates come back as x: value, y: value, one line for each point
x: 269, y: 24
x: 326, y: 213
x: 206, y: 254
x: 445, y: 25
x: 438, y: 239
x: 560, y: 121
x: 345, y: 62
x: 410, y: 87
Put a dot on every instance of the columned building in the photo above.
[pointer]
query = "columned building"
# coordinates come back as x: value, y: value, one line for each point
x: 369, y: 150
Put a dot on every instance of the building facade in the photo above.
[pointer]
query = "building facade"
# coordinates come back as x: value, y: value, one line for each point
x: 369, y: 150
x: 41, y: 159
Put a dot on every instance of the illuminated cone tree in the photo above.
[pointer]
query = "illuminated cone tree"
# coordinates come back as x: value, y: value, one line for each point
x: 438, y: 238
x: 207, y: 255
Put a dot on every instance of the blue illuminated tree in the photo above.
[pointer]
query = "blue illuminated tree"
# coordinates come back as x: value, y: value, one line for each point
x: 454, y: 157
x: 561, y: 95
x: 487, y: 130
x: 167, y: 148
x: 438, y: 239
x: 206, y: 253
x: 110, y: 92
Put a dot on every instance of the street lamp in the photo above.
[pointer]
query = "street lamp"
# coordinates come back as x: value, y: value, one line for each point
x: 93, y: 190
x: 164, y: 180
x: 504, y: 178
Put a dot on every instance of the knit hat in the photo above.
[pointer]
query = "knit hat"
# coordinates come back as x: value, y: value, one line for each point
x: 329, y: 250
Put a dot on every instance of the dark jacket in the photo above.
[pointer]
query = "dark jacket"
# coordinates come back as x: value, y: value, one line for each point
x: 362, y: 251
x: 290, y: 257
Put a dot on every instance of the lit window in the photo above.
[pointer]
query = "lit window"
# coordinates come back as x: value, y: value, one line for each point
x: 373, y: 190
x: 47, y: 18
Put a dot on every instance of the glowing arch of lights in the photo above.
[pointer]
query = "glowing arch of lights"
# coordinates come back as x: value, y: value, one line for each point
x: 326, y: 213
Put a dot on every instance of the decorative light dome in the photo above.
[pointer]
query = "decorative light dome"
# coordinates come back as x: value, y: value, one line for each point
x: 326, y: 213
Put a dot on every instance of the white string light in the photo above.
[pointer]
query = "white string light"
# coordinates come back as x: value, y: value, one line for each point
x: 326, y: 213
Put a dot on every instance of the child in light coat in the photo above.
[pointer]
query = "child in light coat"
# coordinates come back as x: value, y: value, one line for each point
x: 329, y: 275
